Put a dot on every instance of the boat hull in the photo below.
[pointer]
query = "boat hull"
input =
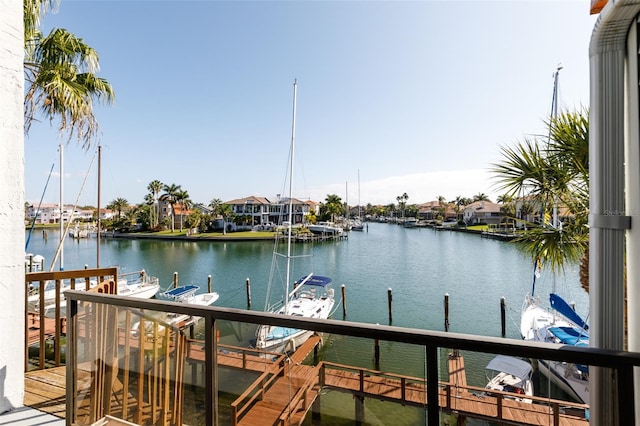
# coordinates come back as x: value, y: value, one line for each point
x: 556, y: 372
x: 288, y: 344
x: 535, y: 324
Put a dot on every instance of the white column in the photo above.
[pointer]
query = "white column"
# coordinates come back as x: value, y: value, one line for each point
x: 632, y: 172
x: 607, y: 214
x: 12, y: 205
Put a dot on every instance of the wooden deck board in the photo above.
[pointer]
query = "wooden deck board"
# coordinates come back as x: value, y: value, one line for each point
x: 45, y: 391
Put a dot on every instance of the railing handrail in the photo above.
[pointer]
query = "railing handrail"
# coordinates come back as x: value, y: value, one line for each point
x: 620, y: 362
x: 297, y: 399
x: 429, y: 338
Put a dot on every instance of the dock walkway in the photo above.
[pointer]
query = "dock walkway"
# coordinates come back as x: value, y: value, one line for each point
x: 286, y: 390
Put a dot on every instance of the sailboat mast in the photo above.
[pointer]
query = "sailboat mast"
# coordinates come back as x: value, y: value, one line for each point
x: 98, y: 227
x: 554, y: 114
x: 358, y: 194
x: 61, y: 208
x: 293, y: 139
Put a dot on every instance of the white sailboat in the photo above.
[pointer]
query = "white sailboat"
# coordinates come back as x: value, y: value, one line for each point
x: 562, y: 325
x: 312, y: 295
x: 135, y: 284
x: 557, y: 324
x: 357, y: 224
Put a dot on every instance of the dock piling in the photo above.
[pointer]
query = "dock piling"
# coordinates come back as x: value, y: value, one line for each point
x: 175, y: 280
x: 390, y: 300
x: 446, y: 312
x: 209, y: 284
x: 503, y: 320
x: 248, y: 293
x: 344, y: 301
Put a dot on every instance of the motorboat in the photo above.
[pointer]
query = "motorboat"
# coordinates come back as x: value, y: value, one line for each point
x: 325, y: 228
x: 134, y: 284
x: 187, y: 294
x: 512, y: 375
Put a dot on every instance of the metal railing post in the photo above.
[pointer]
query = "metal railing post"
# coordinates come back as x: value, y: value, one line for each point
x: 433, y: 411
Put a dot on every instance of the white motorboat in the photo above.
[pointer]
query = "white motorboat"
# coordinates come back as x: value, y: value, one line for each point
x: 325, y: 228
x: 509, y: 374
x: 134, y: 284
x: 187, y: 294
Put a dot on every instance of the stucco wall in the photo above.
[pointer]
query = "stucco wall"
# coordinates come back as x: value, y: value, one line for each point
x: 11, y: 206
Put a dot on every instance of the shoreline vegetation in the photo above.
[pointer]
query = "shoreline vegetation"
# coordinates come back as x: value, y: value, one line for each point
x: 186, y: 235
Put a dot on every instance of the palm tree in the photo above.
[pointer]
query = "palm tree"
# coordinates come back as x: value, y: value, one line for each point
x: 154, y: 188
x: 169, y: 196
x: 182, y: 198
x: 442, y: 206
x: 218, y: 208
x: 553, y: 172
x: 119, y: 205
x: 60, y: 77
x: 215, y: 205
x: 332, y: 206
x: 402, y: 202
x: 481, y: 196
x: 458, y: 203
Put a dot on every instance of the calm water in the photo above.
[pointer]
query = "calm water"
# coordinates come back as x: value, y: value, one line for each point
x: 419, y: 265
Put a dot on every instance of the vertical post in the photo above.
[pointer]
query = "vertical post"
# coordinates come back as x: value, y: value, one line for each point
x: 316, y: 418
x: 359, y: 410
x: 209, y: 284
x: 376, y: 353
x: 194, y: 366
x: 446, y: 312
x: 175, y: 280
x: 210, y: 368
x: 248, y: 293
x: 390, y: 300
x: 344, y: 301
x: 433, y: 410
x: 503, y: 317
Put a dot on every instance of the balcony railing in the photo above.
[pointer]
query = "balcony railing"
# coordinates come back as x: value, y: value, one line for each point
x: 127, y: 358
x: 44, y: 319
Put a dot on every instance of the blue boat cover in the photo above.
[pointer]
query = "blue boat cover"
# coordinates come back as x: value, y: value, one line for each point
x: 559, y: 304
x: 180, y: 291
x: 281, y: 332
x: 315, y: 280
x: 570, y: 336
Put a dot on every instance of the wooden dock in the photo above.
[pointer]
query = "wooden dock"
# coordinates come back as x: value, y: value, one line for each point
x: 286, y: 390
x: 282, y: 395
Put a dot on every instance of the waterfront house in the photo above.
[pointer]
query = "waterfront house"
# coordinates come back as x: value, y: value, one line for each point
x: 254, y: 210
x: 178, y: 212
x: 49, y: 213
x: 431, y: 210
x: 482, y: 213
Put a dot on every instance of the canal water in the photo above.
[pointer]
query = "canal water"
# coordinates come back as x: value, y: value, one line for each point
x: 419, y: 265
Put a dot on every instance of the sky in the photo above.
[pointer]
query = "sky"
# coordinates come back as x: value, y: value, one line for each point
x: 393, y: 97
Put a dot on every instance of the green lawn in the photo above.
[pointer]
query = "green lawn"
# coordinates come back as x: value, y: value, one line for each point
x: 479, y: 228
x: 219, y: 234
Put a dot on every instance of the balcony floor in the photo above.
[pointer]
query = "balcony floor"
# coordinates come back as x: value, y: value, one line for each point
x: 27, y: 416
x: 44, y: 390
